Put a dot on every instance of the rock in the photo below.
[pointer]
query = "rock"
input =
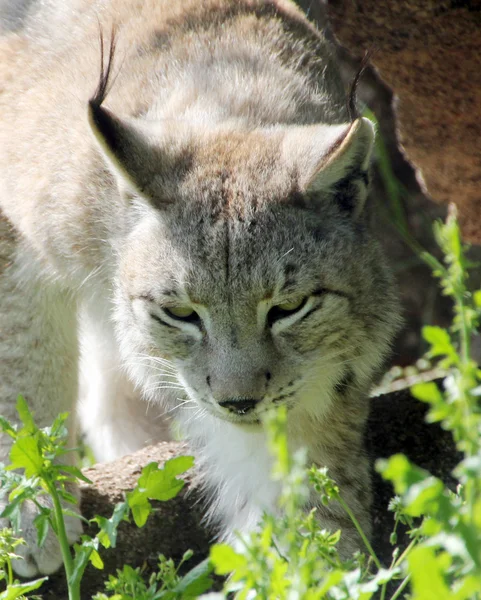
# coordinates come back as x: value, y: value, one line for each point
x: 396, y: 424
x: 172, y: 528
x: 429, y: 54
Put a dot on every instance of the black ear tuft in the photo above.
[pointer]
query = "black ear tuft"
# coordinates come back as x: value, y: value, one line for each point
x: 105, y: 79
x: 352, y: 95
x: 123, y: 145
x: 99, y: 118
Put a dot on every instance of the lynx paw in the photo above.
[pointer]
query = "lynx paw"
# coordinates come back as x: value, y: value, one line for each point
x: 37, y: 560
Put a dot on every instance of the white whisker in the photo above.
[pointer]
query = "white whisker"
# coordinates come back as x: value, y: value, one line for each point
x: 161, y: 371
x: 182, y: 405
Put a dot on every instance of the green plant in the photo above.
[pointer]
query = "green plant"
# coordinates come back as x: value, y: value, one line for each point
x: 37, y: 453
x: 15, y: 590
x: 445, y: 561
x: 291, y: 556
x: 38, y: 456
x: 165, y: 584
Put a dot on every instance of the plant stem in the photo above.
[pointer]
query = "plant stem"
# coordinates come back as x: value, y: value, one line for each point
x: 383, y: 591
x: 465, y: 333
x: 401, y: 587
x: 10, y: 571
x: 431, y: 261
x: 397, y: 562
x: 73, y: 586
x: 277, y: 549
x: 464, y: 382
x: 370, y: 549
x: 407, y: 550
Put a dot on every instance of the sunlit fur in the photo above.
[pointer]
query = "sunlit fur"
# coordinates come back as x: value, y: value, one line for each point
x: 217, y: 170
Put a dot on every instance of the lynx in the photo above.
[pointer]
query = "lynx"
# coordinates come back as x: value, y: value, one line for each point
x: 190, y: 228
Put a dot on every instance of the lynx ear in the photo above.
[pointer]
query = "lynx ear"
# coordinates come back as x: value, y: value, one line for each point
x: 336, y: 160
x: 127, y: 148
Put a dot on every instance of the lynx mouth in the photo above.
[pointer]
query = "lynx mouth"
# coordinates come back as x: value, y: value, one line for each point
x: 239, y: 419
x: 252, y: 418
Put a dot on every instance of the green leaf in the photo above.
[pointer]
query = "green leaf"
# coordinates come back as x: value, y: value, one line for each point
x: 67, y: 496
x: 400, y: 472
x: 178, y: 465
x: 26, y: 417
x: 477, y: 298
x: 96, y: 561
x: 196, y: 581
x: 59, y: 429
x: 427, y: 575
x: 7, y: 428
x: 427, y: 392
x: 467, y: 588
x: 225, y: 559
x: 85, y: 552
x: 20, y: 589
x: 25, y: 454
x: 75, y: 472
x: 41, y: 522
x: 440, y: 341
x: 81, y: 560
x: 141, y: 510
x: 108, y: 527
x: 424, y: 497
x: 156, y: 483
x: 13, y: 512
x: 421, y: 492
x: 75, y: 515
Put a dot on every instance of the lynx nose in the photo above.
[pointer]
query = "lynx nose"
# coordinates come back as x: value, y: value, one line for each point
x: 239, y: 407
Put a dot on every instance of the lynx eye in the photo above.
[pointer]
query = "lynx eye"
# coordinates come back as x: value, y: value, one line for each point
x: 285, y: 309
x: 292, y: 306
x: 182, y: 313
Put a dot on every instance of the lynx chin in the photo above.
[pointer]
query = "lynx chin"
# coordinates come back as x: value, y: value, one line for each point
x: 187, y: 234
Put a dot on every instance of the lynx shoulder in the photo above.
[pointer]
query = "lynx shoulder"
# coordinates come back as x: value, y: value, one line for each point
x: 184, y: 219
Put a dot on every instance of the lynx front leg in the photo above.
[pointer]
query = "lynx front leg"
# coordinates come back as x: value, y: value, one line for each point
x: 339, y: 446
x: 354, y: 482
x: 115, y: 420
x: 38, y: 359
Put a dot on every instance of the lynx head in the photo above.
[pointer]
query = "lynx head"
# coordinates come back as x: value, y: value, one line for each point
x: 248, y: 273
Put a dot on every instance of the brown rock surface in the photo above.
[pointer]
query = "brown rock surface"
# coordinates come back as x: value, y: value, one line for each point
x: 396, y: 424
x: 172, y: 528
x: 429, y: 53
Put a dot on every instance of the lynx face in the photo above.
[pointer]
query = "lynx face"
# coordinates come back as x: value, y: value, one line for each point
x: 255, y: 290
